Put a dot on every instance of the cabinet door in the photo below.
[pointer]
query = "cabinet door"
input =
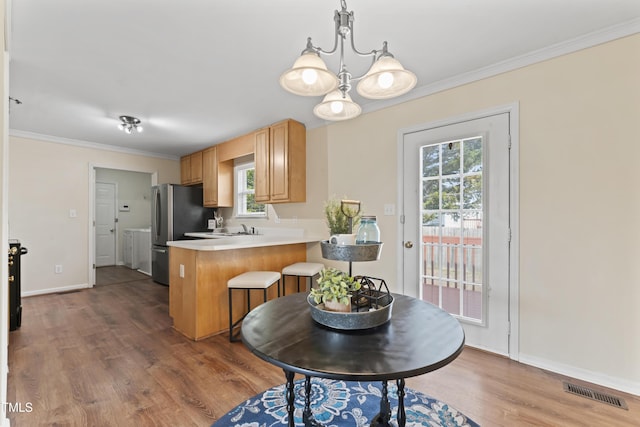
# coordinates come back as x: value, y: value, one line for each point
x: 196, y: 168
x: 279, y: 161
x: 210, y: 177
x: 185, y: 170
x: 262, y: 174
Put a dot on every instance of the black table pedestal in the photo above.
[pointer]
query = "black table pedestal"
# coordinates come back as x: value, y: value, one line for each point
x: 290, y: 397
x: 307, y: 416
x: 380, y: 420
x: 281, y: 330
x: 383, y: 418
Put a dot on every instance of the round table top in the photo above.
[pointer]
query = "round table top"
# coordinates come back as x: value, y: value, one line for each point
x: 419, y: 338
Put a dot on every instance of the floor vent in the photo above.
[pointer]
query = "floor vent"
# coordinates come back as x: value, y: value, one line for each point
x: 589, y: 393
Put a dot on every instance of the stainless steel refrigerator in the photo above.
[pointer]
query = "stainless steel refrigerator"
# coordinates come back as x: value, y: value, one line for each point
x: 175, y: 210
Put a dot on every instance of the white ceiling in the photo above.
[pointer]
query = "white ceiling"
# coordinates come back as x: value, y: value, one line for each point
x: 198, y: 72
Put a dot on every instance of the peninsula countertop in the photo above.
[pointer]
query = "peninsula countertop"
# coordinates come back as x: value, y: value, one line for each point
x: 200, y: 269
x: 209, y: 242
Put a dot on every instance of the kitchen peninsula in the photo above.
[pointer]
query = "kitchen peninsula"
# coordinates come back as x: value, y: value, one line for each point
x: 199, y: 271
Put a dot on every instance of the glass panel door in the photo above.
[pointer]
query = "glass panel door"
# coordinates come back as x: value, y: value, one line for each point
x: 451, y: 212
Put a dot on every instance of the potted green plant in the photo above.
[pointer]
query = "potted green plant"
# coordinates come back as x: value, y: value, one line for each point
x: 334, y: 290
x: 337, y: 221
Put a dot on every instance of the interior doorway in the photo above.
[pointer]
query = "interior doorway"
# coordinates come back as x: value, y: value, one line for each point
x: 132, y: 209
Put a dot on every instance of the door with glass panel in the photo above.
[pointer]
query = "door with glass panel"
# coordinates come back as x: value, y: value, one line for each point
x: 456, y: 224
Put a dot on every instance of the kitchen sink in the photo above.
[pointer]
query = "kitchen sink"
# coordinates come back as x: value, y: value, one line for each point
x: 239, y: 233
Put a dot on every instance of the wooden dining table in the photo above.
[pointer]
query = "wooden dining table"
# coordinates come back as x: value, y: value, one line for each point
x: 419, y: 338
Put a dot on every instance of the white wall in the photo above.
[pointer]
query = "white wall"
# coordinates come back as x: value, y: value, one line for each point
x: 46, y: 181
x: 134, y: 189
x: 579, y: 205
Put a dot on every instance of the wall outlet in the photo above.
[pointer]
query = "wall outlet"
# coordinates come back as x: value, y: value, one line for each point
x: 389, y: 209
x: 73, y: 213
x: 182, y: 270
x: 58, y: 269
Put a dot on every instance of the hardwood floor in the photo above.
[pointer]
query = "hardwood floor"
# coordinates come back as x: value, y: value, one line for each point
x: 112, y: 275
x: 108, y: 356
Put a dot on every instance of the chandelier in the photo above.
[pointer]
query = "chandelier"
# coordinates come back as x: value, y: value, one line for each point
x: 309, y: 76
x: 130, y: 123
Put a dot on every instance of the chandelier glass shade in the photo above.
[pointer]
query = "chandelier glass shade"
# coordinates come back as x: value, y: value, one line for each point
x: 309, y: 76
x: 386, y: 78
x: 129, y: 123
x: 337, y: 106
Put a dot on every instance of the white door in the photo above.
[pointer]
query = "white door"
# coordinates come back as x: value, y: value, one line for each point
x: 456, y: 224
x: 105, y: 224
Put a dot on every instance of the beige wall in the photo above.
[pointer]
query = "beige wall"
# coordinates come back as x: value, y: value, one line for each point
x: 46, y: 181
x: 579, y: 201
x: 579, y: 205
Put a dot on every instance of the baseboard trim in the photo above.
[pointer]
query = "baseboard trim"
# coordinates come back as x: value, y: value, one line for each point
x: 56, y: 290
x: 615, y: 383
x: 486, y: 350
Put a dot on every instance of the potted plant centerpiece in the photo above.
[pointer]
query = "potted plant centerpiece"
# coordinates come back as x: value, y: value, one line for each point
x: 337, y: 214
x: 334, y: 290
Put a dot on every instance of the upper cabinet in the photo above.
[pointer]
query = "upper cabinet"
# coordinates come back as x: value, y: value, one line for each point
x: 262, y: 161
x: 191, y: 169
x: 280, y: 160
x: 217, y: 180
x: 280, y: 165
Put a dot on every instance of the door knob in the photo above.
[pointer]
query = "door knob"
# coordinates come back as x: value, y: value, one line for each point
x: 408, y: 244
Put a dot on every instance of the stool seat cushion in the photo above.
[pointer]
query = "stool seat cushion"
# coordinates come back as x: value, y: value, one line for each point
x: 254, y: 280
x: 303, y: 269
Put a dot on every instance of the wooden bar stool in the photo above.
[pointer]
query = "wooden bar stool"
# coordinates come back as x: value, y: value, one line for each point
x: 300, y: 269
x: 247, y: 281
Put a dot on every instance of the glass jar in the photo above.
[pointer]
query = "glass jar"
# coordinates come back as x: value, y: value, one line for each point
x: 368, y: 231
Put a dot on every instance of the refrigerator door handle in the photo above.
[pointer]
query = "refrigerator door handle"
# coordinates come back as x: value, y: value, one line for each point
x: 161, y: 251
x: 158, y: 215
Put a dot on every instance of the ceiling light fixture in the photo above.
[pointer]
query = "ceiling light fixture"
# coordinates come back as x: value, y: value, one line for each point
x: 129, y: 123
x: 309, y: 76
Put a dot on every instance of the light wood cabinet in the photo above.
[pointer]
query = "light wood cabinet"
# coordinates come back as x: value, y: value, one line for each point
x: 198, y: 300
x: 261, y: 159
x: 185, y: 169
x: 235, y: 148
x: 217, y: 180
x: 280, y: 160
x: 191, y: 169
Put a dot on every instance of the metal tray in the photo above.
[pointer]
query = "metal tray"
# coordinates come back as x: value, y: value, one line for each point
x: 356, y: 253
x: 354, y: 320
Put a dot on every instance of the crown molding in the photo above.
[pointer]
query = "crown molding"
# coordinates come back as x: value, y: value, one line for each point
x: 87, y: 144
x: 559, y: 49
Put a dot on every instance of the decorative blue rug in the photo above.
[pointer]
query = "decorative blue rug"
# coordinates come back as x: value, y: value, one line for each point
x: 341, y: 404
